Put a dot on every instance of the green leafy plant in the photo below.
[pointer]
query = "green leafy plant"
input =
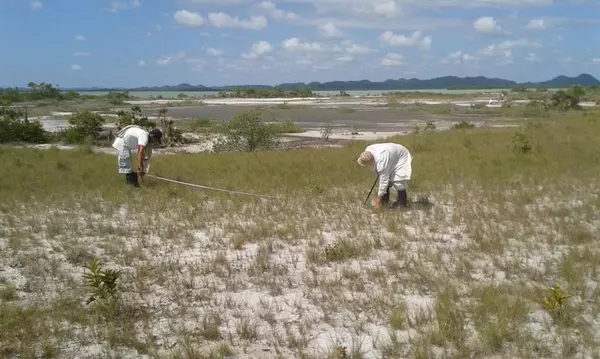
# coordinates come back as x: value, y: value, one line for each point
x: 101, y: 283
x: 338, y: 353
x: 555, y: 301
x: 520, y: 142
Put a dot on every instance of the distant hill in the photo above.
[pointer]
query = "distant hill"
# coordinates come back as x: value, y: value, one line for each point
x: 445, y: 82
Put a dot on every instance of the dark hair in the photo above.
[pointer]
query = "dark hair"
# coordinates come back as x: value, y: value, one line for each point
x: 156, y: 133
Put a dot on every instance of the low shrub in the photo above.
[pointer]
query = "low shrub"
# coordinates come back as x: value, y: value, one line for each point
x: 16, y: 127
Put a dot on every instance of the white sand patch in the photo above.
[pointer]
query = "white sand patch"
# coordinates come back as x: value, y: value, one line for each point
x: 158, y: 102
x: 367, y: 136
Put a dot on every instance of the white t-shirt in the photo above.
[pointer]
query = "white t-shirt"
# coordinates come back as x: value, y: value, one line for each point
x: 393, y: 162
x: 132, y: 138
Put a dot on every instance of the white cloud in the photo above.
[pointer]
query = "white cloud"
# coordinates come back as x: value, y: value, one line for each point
x: 188, y: 18
x: 388, y: 9
x: 536, y: 24
x: 487, y: 25
x: 275, y: 12
x: 116, y: 6
x: 284, y: 15
x: 596, y: 60
x: 75, y: 67
x: 392, y: 59
x: 330, y: 30
x: 344, y: 58
x: 294, y: 44
x: 331, y: 5
x: 223, y: 20
x: 267, y: 5
x: 415, y: 39
x: 214, y: 52
x: 219, y: 2
x: 505, y: 47
x: 458, y: 57
x: 258, y: 49
x: 81, y: 54
x: 80, y: 38
x: 533, y: 57
x: 36, y: 5
x: 357, y: 49
x: 167, y: 60
x: 142, y: 63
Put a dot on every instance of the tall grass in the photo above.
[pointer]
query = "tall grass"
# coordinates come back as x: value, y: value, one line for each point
x: 485, y: 157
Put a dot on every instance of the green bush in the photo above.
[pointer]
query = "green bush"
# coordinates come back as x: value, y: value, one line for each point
x: 16, y: 127
x: 566, y: 100
x: 247, y: 132
x: 85, y: 127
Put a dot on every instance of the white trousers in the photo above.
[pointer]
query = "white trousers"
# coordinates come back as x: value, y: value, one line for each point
x: 125, y: 161
x: 400, y: 185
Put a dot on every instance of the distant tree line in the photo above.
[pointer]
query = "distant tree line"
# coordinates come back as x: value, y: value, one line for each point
x: 267, y: 93
x: 47, y: 92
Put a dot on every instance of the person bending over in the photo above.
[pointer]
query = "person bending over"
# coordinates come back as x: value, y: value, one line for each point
x: 130, y: 138
x: 393, y: 164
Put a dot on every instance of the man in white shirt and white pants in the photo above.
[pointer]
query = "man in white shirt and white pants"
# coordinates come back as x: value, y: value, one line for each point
x: 130, y: 138
x: 393, y: 163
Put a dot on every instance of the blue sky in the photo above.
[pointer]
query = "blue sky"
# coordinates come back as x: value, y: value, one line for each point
x: 226, y: 42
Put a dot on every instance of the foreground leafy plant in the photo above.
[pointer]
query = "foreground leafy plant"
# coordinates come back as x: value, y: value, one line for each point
x: 101, y: 283
x: 555, y: 301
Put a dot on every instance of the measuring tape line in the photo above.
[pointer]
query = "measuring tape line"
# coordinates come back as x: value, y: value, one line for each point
x: 212, y: 188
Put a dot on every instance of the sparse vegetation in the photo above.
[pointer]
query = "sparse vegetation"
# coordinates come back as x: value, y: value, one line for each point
x: 498, y: 216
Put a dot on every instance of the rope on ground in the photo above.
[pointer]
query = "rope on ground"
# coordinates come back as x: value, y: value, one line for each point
x: 212, y: 188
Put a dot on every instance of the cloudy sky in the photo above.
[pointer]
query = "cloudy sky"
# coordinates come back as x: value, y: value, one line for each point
x: 226, y: 42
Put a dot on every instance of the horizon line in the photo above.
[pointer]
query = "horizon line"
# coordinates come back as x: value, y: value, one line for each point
x: 309, y: 82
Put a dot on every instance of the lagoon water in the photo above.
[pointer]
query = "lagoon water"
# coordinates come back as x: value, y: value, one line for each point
x: 173, y: 94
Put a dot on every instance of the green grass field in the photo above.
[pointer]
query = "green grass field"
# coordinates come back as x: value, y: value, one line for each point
x: 499, y: 217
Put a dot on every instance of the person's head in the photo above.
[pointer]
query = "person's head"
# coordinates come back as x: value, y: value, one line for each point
x: 365, y: 159
x: 155, y: 136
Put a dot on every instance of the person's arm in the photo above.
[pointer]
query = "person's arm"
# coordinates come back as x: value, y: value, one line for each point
x: 140, y: 157
x: 384, y: 172
x: 142, y: 143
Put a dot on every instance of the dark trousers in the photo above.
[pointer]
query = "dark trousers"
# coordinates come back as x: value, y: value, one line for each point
x: 402, y: 198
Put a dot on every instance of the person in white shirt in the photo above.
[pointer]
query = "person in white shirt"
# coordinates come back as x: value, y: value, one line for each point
x: 130, y: 138
x: 393, y: 164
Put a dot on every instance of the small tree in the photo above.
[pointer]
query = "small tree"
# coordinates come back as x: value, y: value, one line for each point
x: 247, y: 132
x: 87, y: 123
x: 134, y: 117
x: 172, y: 135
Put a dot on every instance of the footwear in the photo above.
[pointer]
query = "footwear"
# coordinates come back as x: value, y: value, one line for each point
x: 132, y: 179
x: 403, y: 198
x: 402, y: 201
x: 385, y: 199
